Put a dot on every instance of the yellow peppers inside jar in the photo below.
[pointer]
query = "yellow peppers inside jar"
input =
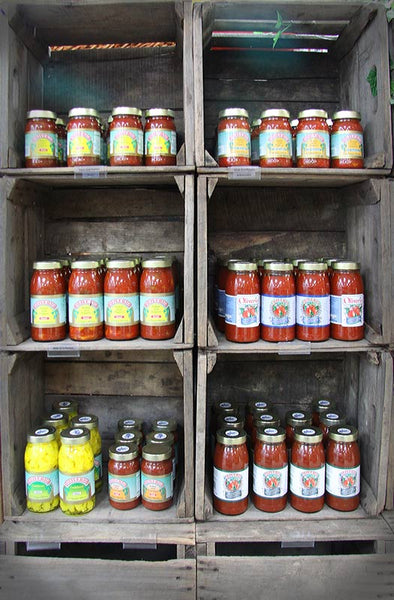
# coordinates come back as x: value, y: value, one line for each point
x: 91, y: 423
x: 76, y: 472
x: 67, y: 407
x: 57, y: 420
x: 41, y: 470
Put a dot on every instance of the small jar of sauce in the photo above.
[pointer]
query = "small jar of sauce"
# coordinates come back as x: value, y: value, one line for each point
x: 313, y: 139
x: 126, y: 137
x: 230, y: 472
x: 347, y: 140
x: 156, y: 477
x: 275, y: 142
x: 41, y: 142
x: 83, y: 138
x: 125, y: 436
x: 160, y: 137
x: 265, y: 420
x: 157, y: 300
x: 343, y: 469
x: 270, y: 470
x: 307, y: 470
x: 124, y: 476
x: 48, y: 316
x: 234, y: 138
x: 347, y: 302
x: 85, y: 301
x: 121, y: 301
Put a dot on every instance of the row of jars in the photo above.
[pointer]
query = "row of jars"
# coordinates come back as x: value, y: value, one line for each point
x: 120, y: 300
x: 277, y: 302
x: 86, y: 142
x: 312, y: 140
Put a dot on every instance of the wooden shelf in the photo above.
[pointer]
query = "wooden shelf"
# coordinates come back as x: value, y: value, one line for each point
x: 70, y: 346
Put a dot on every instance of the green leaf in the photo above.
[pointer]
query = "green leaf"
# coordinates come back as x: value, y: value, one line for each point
x: 279, y: 20
x: 390, y: 15
x: 278, y: 35
x: 373, y: 81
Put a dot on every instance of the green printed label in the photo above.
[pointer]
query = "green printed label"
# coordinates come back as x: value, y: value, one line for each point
x: 76, y: 489
x: 42, y: 487
x: 157, y: 489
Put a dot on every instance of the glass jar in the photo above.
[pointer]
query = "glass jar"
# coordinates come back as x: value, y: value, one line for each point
x: 41, y: 470
x: 168, y: 426
x: 296, y: 418
x: 320, y: 406
x: 40, y: 139
x: 278, y: 302
x: 313, y: 302
x: 230, y: 422
x: 76, y: 472
x: 343, y: 469
x: 156, y: 477
x: 175, y: 274
x: 48, y: 317
x: 125, y: 436
x: 296, y: 262
x: 275, y: 144
x: 347, y: 140
x: 157, y: 300
x: 126, y: 136
x: 347, y: 302
x: 313, y: 139
x: 61, y: 143
x: 242, y: 323
x: 58, y: 421
x: 256, y: 408
x: 85, y: 301
x: 167, y: 438
x: 83, y: 138
x: 270, y: 470
x: 130, y: 424
x: 91, y: 422
x: 67, y: 407
x: 329, y: 262
x: 160, y: 137
x: 124, y: 476
x: 261, y: 421
x: 328, y: 419
x: 230, y: 472
x: 307, y: 470
x: 121, y: 301
x: 234, y: 138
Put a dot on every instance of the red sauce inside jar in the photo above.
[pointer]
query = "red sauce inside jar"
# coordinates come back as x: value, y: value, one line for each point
x: 275, y: 141
x: 255, y: 409
x: 85, y: 302
x: 294, y: 419
x: 234, y: 138
x: 48, y: 314
x: 242, y: 302
x: 347, y: 302
x: 160, y: 138
x: 347, y: 140
x: 121, y: 301
x: 124, y: 476
x: 270, y: 470
x: 156, y: 477
x: 126, y: 137
x: 83, y: 138
x: 313, y: 139
x: 343, y: 469
x: 319, y: 407
x: 307, y: 470
x: 157, y: 300
x: 167, y: 438
x: 278, y: 302
x: 230, y: 472
x: 41, y: 145
x: 330, y: 418
x: 313, y: 302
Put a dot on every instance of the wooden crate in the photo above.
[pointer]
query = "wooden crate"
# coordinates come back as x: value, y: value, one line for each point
x: 245, y: 219
x: 321, y: 61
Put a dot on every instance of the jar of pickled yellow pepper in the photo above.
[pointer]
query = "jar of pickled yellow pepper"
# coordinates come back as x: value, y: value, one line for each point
x: 41, y: 470
x: 76, y: 472
x: 57, y: 420
x: 91, y: 423
x: 67, y: 407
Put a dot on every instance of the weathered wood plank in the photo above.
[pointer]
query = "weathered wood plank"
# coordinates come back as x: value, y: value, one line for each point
x: 188, y: 271
x: 188, y: 427
x: 201, y: 433
x: 198, y: 85
x: 202, y: 262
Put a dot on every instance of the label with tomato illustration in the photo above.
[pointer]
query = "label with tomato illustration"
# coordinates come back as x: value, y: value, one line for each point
x: 121, y: 309
x: 347, y: 310
x: 347, y: 144
x: 313, y: 311
x: 48, y: 311
x: 41, y: 144
x: 307, y: 483
x: 270, y: 483
x: 243, y: 310
x: 275, y: 143
x: 230, y: 486
x: 313, y: 144
x: 124, y: 488
x: 344, y: 483
x: 125, y: 141
x: 157, y: 309
x: 158, y: 488
x: 277, y: 311
x: 234, y: 143
x: 85, y: 310
x: 84, y: 142
x: 160, y: 142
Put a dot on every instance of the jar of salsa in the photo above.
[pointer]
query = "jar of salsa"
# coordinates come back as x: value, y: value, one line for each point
x: 156, y: 477
x: 90, y: 422
x: 83, y: 138
x: 278, y: 302
x: 157, y: 300
x: 313, y: 302
x: 41, y: 470
x: 328, y: 419
x: 125, y: 436
x: 319, y: 407
x: 242, y: 302
x: 261, y: 421
x: 124, y: 476
x: 307, y: 470
x: 347, y: 302
x: 234, y: 138
x: 61, y: 143
x: 254, y: 142
x: 167, y: 438
x: 85, y: 301
x: 347, y: 140
x: 76, y: 472
x: 58, y: 421
x: 230, y: 472
x: 130, y: 424
x: 175, y: 274
x: 255, y: 409
x: 41, y: 144
x: 343, y: 469
x: 160, y: 137
x: 220, y: 295
x: 126, y: 137
x: 48, y: 317
x: 275, y: 145
x: 121, y: 301
x: 270, y: 470
x: 296, y: 418
x: 313, y: 139
x: 67, y: 407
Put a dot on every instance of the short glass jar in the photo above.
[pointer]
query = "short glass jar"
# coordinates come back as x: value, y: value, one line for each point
x: 347, y: 140
x: 124, y: 476
x: 160, y: 137
x: 41, y: 141
x: 313, y: 139
x: 234, y: 143
x: 83, y: 138
x: 126, y: 137
x: 156, y: 477
x: 275, y: 141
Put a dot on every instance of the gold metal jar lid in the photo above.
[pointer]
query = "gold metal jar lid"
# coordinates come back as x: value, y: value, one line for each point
x: 60, y: 122
x: 234, y: 112
x: 88, y: 421
x: 41, y: 114
x: 46, y: 265
x: 83, y: 112
x: 275, y: 112
x: 259, y: 406
x: 242, y: 266
x: 120, y: 264
x: 296, y: 261
x: 41, y: 435
x: 126, y: 110
x: 340, y: 433
x: 128, y: 436
x: 265, y: 261
x: 123, y: 452
x: 308, y: 435
x: 272, y: 435
x: 313, y: 112
x: 320, y: 406
x: 156, y: 452
x: 345, y: 265
x: 230, y: 421
x: 54, y: 420
x: 266, y: 420
x: 346, y: 114
x: 231, y: 437
x: 130, y: 424
x: 256, y: 123
x: 331, y: 417
x: 75, y: 436
x: 156, y: 263
x: 160, y: 112
x: 65, y: 406
x: 225, y: 406
x: 85, y: 264
x: 329, y: 261
x: 160, y: 437
x: 164, y: 425
x: 312, y: 266
x: 279, y: 266
x: 297, y: 418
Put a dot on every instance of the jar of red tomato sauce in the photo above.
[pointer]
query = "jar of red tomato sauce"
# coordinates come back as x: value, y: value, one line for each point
x: 270, y: 470
x: 121, y: 301
x: 156, y: 477
x: 234, y: 138
x: 278, y: 302
x: 347, y: 140
x: 48, y: 317
x: 319, y: 407
x: 230, y: 472
x: 83, y: 138
x: 61, y: 143
x: 126, y: 137
x: 313, y: 302
x: 124, y: 476
x: 256, y: 408
x: 275, y: 142
x: 313, y: 139
x: 347, y: 302
x: 230, y: 422
x: 294, y: 419
x: 157, y: 300
x: 307, y: 470
x: 328, y: 419
x: 167, y: 438
x: 85, y: 301
x: 127, y: 436
x: 242, y: 302
x: 261, y: 421
x: 343, y: 469
x: 41, y: 144
x: 160, y: 137
x: 254, y: 142
x: 175, y: 274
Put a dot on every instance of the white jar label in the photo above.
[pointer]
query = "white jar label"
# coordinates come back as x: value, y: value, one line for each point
x: 277, y: 311
x: 307, y: 483
x: 230, y: 486
x: 343, y: 483
x: 313, y: 311
x: 347, y: 310
x: 243, y: 310
x: 270, y: 483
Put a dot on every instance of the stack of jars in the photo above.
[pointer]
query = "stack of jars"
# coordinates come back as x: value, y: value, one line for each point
x: 268, y: 300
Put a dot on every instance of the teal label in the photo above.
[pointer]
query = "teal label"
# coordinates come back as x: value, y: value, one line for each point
x: 41, y: 144
x: 84, y: 142
x: 85, y: 310
x: 160, y: 142
x: 275, y: 143
x: 76, y: 489
x: 125, y: 141
x: 347, y: 144
x: 313, y: 144
x: 42, y: 487
x: 48, y: 311
x: 157, y: 489
x: 157, y: 309
x: 124, y: 488
x: 234, y: 143
x: 121, y: 309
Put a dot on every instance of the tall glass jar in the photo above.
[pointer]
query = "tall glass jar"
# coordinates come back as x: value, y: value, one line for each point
x: 160, y: 137
x: 307, y: 470
x: 126, y: 136
x: 343, y: 469
x: 313, y: 302
x: 230, y: 472
x: 278, y: 302
x: 91, y: 423
x: 270, y: 470
x: 121, y: 300
x: 234, y: 138
x: 41, y: 470
x: 76, y: 472
x: 85, y: 301
x: 58, y: 421
x: 157, y: 300
x: 347, y: 302
x: 328, y: 419
x: 294, y: 419
x: 67, y: 407
x: 41, y: 141
x: 319, y: 407
x: 242, y: 302
x: 48, y: 315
